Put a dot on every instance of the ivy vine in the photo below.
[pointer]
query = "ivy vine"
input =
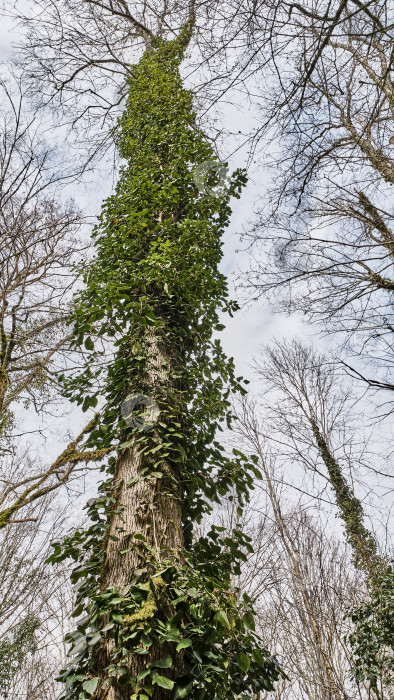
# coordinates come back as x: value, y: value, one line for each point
x: 15, y: 646
x: 156, y: 276
x: 372, y: 637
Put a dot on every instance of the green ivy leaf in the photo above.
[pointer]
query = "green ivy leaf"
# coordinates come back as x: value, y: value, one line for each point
x: 184, y: 644
x: 165, y: 662
x: 248, y: 621
x: 221, y: 619
x: 89, y: 345
x: 91, y: 685
x: 258, y: 657
x: 143, y: 674
x: 162, y: 681
x: 243, y: 662
x: 117, y: 617
x: 182, y: 691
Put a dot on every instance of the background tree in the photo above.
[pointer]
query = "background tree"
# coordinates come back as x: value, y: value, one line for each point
x: 38, y: 246
x: 312, y: 413
x: 35, y: 604
x: 40, y: 243
x: 301, y: 575
x: 326, y: 223
x: 311, y: 423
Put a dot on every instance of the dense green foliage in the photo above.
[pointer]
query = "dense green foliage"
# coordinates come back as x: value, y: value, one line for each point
x: 372, y: 640
x: 14, y: 647
x: 210, y: 627
x: 155, y: 275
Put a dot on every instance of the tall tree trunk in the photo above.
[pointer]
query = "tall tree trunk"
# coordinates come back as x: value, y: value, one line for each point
x: 149, y: 507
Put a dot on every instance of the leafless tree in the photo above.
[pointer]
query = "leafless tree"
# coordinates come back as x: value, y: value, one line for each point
x: 35, y: 605
x: 301, y: 578
x: 39, y: 245
x: 78, y: 56
x: 248, y: 36
x: 326, y: 223
x: 302, y: 613
x: 313, y: 424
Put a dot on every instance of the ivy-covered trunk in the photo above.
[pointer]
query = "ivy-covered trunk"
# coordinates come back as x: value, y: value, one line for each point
x: 148, y: 510
x: 147, y: 506
x: 160, y: 618
x: 362, y: 542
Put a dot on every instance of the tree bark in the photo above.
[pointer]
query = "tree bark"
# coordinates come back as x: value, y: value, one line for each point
x: 148, y: 506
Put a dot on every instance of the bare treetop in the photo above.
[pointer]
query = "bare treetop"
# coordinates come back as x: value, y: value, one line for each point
x: 39, y: 243
x: 77, y: 56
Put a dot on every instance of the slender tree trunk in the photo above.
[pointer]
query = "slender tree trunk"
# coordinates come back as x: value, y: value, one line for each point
x: 360, y: 539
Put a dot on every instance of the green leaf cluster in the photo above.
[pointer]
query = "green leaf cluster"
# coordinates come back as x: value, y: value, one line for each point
x: 208, y: 627
x: 14, y: 648
x: 372, y: 638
